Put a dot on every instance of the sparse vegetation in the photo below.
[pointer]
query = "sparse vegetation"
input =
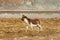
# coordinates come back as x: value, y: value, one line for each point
x: 14, y: 27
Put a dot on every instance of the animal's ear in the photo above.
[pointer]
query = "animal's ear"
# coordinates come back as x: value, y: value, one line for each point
x: 23, y: 15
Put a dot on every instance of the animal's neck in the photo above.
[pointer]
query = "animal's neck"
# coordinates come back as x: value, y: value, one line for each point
x: 26, y: 20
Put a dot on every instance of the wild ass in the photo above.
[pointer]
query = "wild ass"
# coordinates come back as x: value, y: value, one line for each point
x: 31, y: 22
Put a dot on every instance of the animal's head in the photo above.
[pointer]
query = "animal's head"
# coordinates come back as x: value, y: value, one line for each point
x: 23, y: 17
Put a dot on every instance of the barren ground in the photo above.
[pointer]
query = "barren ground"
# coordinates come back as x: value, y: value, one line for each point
x: 15, y: 29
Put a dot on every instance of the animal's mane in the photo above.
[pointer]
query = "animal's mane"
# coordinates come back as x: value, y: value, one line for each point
x: 26, y: 17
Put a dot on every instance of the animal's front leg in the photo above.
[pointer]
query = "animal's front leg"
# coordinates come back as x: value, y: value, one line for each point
x: 26, y: 28
x: 31, y: 26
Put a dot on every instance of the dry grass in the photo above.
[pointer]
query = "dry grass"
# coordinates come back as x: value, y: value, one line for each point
x: 14, y: 27
x: 11, y: 2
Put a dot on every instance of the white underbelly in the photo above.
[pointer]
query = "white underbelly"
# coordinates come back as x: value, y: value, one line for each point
x: 33, y: 25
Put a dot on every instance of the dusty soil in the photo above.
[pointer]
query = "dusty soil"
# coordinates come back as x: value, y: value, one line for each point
x: 15, y: 29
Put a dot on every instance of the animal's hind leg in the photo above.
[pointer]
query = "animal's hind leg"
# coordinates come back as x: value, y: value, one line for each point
x: 40, y: 27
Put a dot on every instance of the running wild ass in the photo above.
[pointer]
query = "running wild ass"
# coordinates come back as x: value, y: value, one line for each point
x: 31, y: 23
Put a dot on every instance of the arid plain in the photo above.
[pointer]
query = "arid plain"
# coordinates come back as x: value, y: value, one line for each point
x: 15, y: 29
